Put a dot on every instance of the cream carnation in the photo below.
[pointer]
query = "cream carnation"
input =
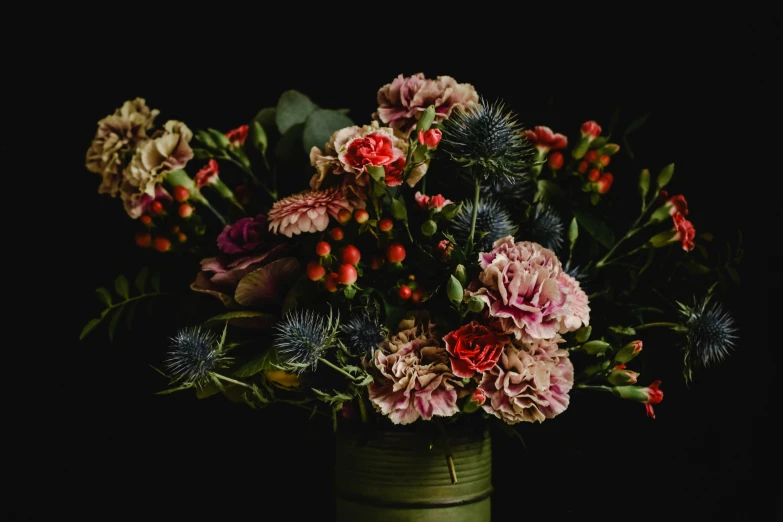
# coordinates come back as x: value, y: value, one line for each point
x: 117, y: 134
x: 402, y: 102
x: 523, y: 284
x: 529, y: 383
x: 165, y: 152
x: 415, y: 377
x: 306, y: 211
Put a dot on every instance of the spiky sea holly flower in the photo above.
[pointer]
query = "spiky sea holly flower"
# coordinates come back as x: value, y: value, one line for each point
x: 302, y: 337
x: 486, y: 140
x: 194, y: 354
x: 546, y: 227
x: 710, y: 334
x: 492, y: 219
x: 364, y: 332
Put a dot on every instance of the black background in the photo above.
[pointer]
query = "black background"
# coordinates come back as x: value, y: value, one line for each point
x: 96, y: 443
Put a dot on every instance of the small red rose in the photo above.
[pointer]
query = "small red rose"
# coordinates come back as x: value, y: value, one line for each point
x: 473, y: 348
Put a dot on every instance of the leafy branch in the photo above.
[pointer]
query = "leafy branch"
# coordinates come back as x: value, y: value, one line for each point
x: 116, y: 309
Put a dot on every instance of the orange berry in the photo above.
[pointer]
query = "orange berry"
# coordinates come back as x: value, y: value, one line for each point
x: 143, y: 240
x: 344, y: 216
x: 323, y: 248
x: 555, y: 161
x: 385, y: 225
x: 351, y: 255
x: 377, y: 262
x: 395, y: 253
x: 315, y: 271
x: 337, y: 233
x: 405, y: 292
x: 145, y: 219
x: 181, y: 237
x: 604, y: 160
x: 594, y: 175
x: 347, y: 274
x: 591, y: 156
x: 185, y: 210
x: 361, y: 216
x: 157, y: 207
x: 604, y: 183
x: 162, y: 244
x: 181, y: 194
x: 331, y: 282
x: 583, y: 166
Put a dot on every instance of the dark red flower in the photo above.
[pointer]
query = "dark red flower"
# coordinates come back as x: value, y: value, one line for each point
x: 654, y: 396
x: 238, y: 136
x: 208, y: 174
x: 685, y: 232
x: 473, y: 348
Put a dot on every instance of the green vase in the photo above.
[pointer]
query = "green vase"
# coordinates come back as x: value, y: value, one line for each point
x: 394, y: 476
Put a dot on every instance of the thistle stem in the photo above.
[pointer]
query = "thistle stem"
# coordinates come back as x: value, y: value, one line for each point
x: 336, y: 368
x: 656, y: 325
x: 473, y: 217
x: 232, y: 381
x: 449, y: 456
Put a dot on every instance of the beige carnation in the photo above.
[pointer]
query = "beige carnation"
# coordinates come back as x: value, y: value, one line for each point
x: 167, y: 151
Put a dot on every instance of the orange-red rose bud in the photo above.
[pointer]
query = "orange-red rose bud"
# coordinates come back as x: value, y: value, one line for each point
x: 619, y: 376
x: 181, y: 194
x: 604, y: 183
x: 315, y: 272
x: 628, y: 352
x: 238, y: 136
x: 385, y: 224
x: 555, y: 161
x: 185, y: 210
x: 344, y: 216
x: 162, y: 244
x: 430, y: 138
x: 143, y: 240
x: 347, y: 274
x: 337, y: 234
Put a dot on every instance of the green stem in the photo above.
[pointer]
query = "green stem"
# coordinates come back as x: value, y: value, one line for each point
x: 142, y: 296
x: 449, y: 454
x: 232, y: 381
x: 336, y: 368
x: 300, y: 405
x: 408, y: 230
x: 591, y: 387
x: 362, y: 409
x: 424, y: 185
x: 204, y: 201
x: 473, y: 217
x: 656, y: 325
x: 622, y: 256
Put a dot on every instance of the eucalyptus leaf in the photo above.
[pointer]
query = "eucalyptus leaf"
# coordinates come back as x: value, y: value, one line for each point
x: 288, y: 146
x: 103, y: 295
x: 293, y: 108
x: 121, y: 286
x: 266, y: 117
x: 319, y: 127
x: 595, y: 227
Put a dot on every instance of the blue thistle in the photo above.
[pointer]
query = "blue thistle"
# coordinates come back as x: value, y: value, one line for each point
x: 710, y: 334
x: 193, y: 356
x: 486, y: 140
x: 302, y: 337
x: 492, y: 220
x: 546, y: 228
x: 512, y: 190
x: 363, y: 332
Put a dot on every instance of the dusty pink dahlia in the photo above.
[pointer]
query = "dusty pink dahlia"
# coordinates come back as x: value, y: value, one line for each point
x: 530, y: 382
x: 402, y: 102
x: 415, y: 378
x: 523, y: 284
x: 306, y: 211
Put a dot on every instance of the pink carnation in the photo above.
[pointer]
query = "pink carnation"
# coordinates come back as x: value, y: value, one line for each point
x: 415, y: 378
x: 402, y: 102
x: 306, y: 211
x: 524, y: 286
x: 529, y: 383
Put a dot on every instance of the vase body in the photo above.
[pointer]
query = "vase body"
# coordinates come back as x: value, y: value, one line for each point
x: 394, y: 476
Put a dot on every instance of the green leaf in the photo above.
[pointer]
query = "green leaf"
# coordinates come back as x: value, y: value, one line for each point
x: 293, y: 108
x: 596, y: 228
x: 258, y: 138
x: 573, y: 233
x: 121, y: 286
x: 733, y: 274
x: 319, y: 127
x: 131, y: 314
x: 644, y: 184
x: 427, y: 117
x: 266, y: 117
x: 141, y: 279
x: 349, y: 292
x: 547, y: 191
x: 103, y: 295
x: 201, y: 154
x: 155, y: 282
x: 264, y: 362
x: 300, y: 288
x: 113, y: 323
x: 207, y: 391
x: 222, y: 338
x: 288, y: 146
x: 398, y: 209
x: 583, y: 334
x: 245, y: 318
x: 665, y: 175
x: 623, y: 330
x: 219, y: 138
x: 450, y: 211
x: 89, y: 327
x: 377, y: 173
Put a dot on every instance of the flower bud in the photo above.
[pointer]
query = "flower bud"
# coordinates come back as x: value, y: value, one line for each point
x: 592, y: 369
x: 590, y: 130
x: 454, y: 289
x: 474, y: 401
x: 475, y: 304
x: 583, y: 166
x: 143, y: 240
x: 591, y: 157
x: 604, y: 183
x: 429, y: 227
x: 461, y: 274
x: 619, y: 376
x: 595, y: 347
x: 628, y: 352
x: 555, y: 161
x: 431, y: 138
x: 594, y: 175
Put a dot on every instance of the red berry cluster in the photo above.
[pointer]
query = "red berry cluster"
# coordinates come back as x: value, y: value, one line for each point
x: 346, y: 273
x: 162, y: 242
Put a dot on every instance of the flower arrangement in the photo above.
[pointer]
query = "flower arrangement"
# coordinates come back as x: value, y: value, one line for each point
x: 439, y: 262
